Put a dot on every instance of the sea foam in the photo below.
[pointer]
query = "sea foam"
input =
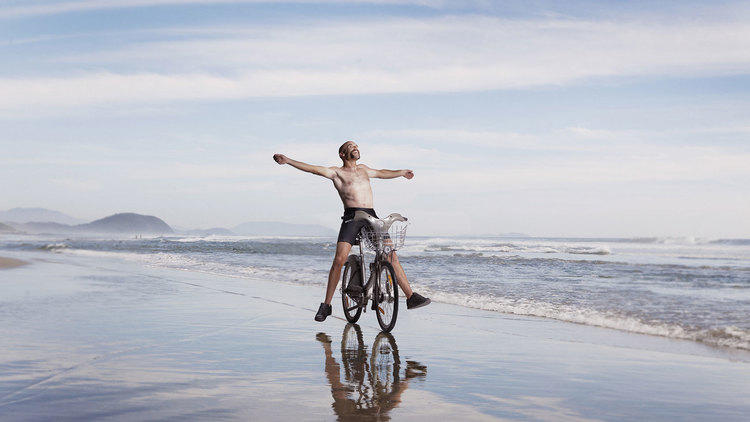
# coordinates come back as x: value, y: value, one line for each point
x: 729, y: 336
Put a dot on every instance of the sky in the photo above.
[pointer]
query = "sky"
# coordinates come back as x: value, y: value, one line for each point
x: 577, y: 118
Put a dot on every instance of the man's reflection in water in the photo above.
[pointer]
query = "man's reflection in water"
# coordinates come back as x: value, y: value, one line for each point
x: 373, y: 383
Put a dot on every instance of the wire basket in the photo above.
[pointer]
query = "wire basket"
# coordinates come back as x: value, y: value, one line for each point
x: 385, y: 241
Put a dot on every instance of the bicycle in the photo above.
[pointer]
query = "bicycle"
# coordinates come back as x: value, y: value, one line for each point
x: 383, y: 236
x: 382, y: 368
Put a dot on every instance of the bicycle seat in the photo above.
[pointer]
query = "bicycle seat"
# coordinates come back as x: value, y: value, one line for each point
x: 379, y: 224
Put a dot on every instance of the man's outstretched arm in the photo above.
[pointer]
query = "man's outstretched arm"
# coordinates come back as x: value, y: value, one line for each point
x: 389, y: 174
x: 319, y: 170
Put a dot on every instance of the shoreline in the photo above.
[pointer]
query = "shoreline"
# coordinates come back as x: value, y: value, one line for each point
x: 7, y: 263
x: 139, y: 342
x: 589, y: 318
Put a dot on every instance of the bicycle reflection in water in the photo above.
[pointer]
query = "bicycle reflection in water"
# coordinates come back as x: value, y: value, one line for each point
x: 372, y: 383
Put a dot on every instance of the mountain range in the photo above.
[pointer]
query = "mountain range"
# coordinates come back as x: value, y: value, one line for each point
x: 25, y: 215
x: 123, y: 223
x: 4, y: 228
x: 41, y: 220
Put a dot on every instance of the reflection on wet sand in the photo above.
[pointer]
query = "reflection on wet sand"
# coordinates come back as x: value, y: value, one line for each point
x: 372, y: 382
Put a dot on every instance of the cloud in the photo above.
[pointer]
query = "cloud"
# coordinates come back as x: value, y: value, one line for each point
x: 636, y: 165
x: 178, y: 170
x: 78, y: 185
x: 58, y: 7
x: 585, y: 157
x: 445, y: 54
x: 588, y: 133
x: 471, y: 139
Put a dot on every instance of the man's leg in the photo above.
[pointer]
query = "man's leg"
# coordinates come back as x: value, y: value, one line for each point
x: 342, y: 253
x: 400, y: 274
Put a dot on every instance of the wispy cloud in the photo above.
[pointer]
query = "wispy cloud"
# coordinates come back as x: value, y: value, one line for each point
x: 58, y: 7
x: 686, y: 165
x: 583, y: 157
x: 80, y: 185
x: 447, y: 54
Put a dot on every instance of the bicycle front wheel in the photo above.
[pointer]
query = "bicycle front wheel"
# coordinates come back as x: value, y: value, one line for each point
x: 385, y: 364
x: 386, y: 297
x: 352, y: 275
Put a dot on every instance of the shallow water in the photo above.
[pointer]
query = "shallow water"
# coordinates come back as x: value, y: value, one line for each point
x: 91, y: 336
x: 695, y: 289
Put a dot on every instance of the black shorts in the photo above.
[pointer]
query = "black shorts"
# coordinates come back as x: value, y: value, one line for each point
x: 350, y: 228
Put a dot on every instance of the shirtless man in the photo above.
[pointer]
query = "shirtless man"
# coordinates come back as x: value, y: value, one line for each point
x: 352, y: 181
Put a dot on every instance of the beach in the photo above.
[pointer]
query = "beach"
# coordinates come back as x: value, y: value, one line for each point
x: 92, y: 336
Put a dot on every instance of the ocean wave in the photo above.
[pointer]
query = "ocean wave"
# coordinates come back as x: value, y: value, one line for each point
x: 481, y: 257
x: 651, y: 240
x: 683, y: 240
x: 587, y: 250
x: 212, y: 246
x: 520, y: 248
x: 665, y: 240
x: 54, y: 246
x: 728, y: 336
x: 184, y: 262
x: 732, y: 242
x: 482, y: 251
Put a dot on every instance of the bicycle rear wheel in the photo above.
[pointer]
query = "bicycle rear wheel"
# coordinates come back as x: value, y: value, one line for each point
x: 352, y: 273
x: 353, y: 353
x: 386, y: 297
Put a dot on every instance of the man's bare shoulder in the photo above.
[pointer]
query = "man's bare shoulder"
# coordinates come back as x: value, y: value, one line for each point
x: 366, y: 168
x: 370, y: 172
x: 335, y: 170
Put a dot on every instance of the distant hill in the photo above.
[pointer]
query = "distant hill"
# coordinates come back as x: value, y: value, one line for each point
x: 4, y: 228
x: 26, y: 215
x: 127, y: 223
x: 124, y: 223
x: 39, y: 227
x: 274, y: 228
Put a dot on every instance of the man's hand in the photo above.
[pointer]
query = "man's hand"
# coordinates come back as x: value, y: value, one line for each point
x: 280, y: 158
x: 408, y: 174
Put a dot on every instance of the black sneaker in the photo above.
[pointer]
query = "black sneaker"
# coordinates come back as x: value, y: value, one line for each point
x: 323, y: 311
x: 417, y: 301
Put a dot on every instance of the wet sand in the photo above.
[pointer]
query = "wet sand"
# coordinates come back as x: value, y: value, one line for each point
x: 10, y: 263
x: 93, y: 337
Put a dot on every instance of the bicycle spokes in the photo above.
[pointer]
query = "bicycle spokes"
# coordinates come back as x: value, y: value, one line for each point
x: 387, y: 297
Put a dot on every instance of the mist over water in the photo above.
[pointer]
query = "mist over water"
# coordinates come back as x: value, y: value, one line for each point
x: 695, y: 289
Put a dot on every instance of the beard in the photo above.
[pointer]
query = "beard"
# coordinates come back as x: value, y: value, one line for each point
x: 354, y: 155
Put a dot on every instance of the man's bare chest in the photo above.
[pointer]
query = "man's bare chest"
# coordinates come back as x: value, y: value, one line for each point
x: 354, y: 180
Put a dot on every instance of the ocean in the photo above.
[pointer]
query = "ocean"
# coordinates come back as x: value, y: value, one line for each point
x: 681, y: 288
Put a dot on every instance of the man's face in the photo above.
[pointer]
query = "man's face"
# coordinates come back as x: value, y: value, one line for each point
x: 351, y: 151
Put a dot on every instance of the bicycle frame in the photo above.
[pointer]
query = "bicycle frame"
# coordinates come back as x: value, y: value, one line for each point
x: 370, y: 286
x: 375, y: 268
